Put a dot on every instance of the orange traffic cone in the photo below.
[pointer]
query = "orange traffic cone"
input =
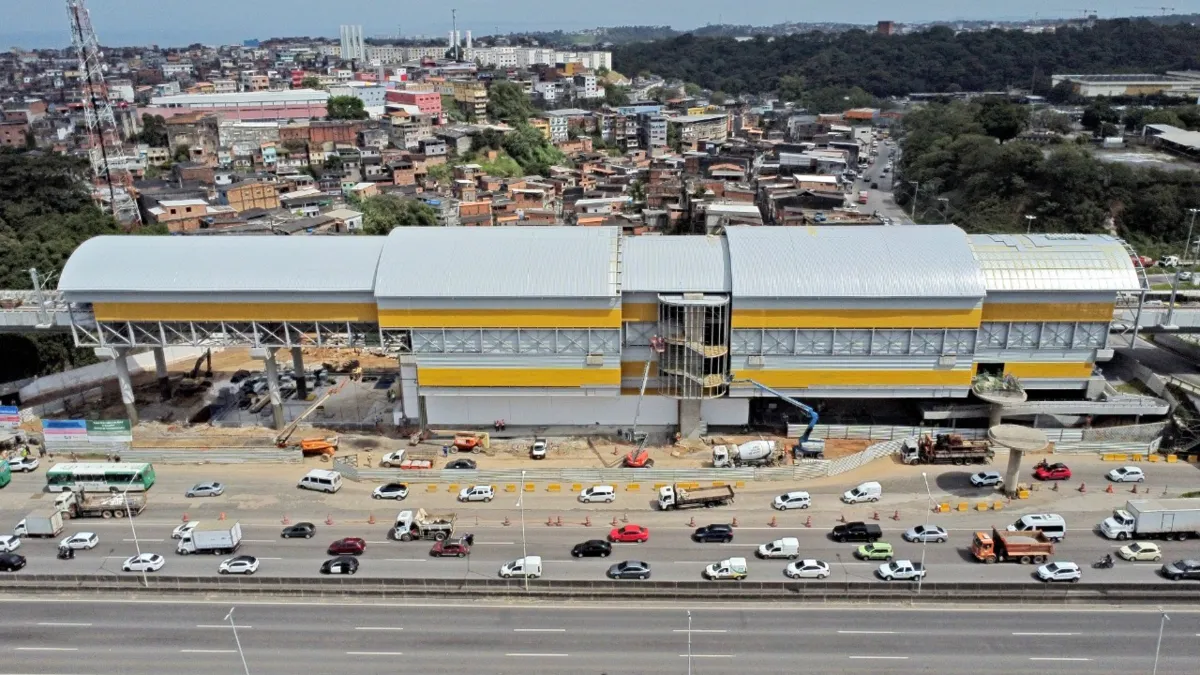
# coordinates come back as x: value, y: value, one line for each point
x: 772, y: 523
x: 549, y: 521
x: 896, y: 515
x: 1134, y: 490
x: 1055, y: 488
x: 185, y: 518
x: 625, y: 517
x: 808, y: 523
x: 841, y: 518
x: 285, y: 519
x: 558, y: 523
x: 1083, y: 487
x: 735, y: 521
x: 1109, y: 489
x: 587, y: 521
x: 875, y: 516
x: 222, y: 516
x: 328, y: 519
x: 692, y: 521
x: 614, y: 522
x: 506, y: 522
x: 371, y: 519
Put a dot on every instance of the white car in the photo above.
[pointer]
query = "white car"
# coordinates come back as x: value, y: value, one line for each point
x: 80, y: 541
x: 1060, y: 571
x: 792, y: 500
x: 396, y: 491
x: 146, y: 562
x: 477, y: 493
x: 9, y: 543
x: 987, y: 479
x: 926, y: 533
x: 23, y: 463
x: 598, y: 493
x: 242, y: 564
x: 807, y: 569
x: 1127, y: 474
x: 1140, y: 551
x: 183, y: 529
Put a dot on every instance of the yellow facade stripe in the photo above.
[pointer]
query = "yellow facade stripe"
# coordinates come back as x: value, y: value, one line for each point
x: 1075, y: 371
x: 794, y: 379
x: 519, y: 377
x: 1051, y: 311
x: 856, y: 318
x: 636, y: 368
x: 638, y: 311
x: 499, y: 318
x: 235, y: 311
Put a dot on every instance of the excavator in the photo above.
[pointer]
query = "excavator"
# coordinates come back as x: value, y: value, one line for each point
x: 804, y: 448
x: 191, y: 382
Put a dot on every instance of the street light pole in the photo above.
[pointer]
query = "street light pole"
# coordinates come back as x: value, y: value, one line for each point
x: 1029, y: 223
x: 524, y: 553
x: 925, y: 534
x: 1187, y: 245
x: 236, y: 640
x: 132, y: 529
x: 1162, y: 624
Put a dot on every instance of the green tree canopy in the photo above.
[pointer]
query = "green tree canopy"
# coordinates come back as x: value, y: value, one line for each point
x: 616, y: 96
x: 154, y: 131
x: 508, y: 103
x: 1001, y: 119
x: 345, y: 108
x: 531, y: 150
x: 310, y: 82
x: 383, y: 213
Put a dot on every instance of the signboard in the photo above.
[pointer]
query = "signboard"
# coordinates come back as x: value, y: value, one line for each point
x: 10, y: 417
x: 109, y: 431
x: 61, y: 432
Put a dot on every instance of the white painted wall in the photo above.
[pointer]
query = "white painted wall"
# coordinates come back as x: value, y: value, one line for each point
x: 725, y: 411
x: 550, y: 410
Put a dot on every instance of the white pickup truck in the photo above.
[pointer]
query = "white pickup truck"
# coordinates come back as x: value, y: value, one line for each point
x: 902, y: 570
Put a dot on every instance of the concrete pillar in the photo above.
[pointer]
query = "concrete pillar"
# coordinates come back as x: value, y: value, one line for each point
x: 125, y: 383
x: 160, y: 369
x: 301, y: 378
x: 995, y: 413
x: 1013, y: 475
x: 273, y: 388
x: 689, y: 418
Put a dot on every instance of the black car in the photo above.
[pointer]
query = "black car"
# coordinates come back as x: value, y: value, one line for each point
x: 856, y: 531
x: 461, y: 464
x: 299, y: 530
x: 630, y: 569
x: 874, y: 186
x: 343, y: 564
x: 720, y: 533
x: 592, y: 548
x: 1182, y: 569
x: 11, y: 562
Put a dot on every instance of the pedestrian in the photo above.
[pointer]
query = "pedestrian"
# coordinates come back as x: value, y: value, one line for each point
x: 445, y: 451
x: 470, y: 539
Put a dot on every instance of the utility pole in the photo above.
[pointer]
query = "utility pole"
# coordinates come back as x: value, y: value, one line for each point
x: 1029, y: 223
x: 1187, y: 245
x: 1157, y: 648
x: 454, y: 32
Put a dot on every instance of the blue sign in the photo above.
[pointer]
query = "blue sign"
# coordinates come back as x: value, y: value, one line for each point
x: 64, y: 431
x: 10, y: 417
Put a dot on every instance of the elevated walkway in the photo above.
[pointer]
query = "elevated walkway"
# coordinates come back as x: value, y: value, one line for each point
x: 20, y: 312
x: 1131, y: 405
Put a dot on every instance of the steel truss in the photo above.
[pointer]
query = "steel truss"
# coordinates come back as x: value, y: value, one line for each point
x: 237, y: 333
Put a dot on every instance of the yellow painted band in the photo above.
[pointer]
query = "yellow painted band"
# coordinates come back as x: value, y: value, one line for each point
x: 640, y: 312
x: 856, y: 318
x: 519, y: 377
x: 1058, y: 311
x: 792, y: 379
x: 234, y: 311
x: 636, y: 368
x: 1032, y: 371
x: 493, y: 318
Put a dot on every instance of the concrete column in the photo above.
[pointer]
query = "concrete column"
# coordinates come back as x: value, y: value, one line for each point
x: 273, y: 388
x: 301, y: 379
x: 160, y: 369
x: 995, y: 413
x: 125, y: 382
x: 689, y: 418
x: 1013, y: 475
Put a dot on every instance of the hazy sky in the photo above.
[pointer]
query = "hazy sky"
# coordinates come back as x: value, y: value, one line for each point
x: 43, y: 23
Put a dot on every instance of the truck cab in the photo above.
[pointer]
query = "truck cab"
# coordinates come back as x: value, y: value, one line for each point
x: 538, y: 449
x: 730, y: 568
x: 1119, y: 525
x: 666, y: 497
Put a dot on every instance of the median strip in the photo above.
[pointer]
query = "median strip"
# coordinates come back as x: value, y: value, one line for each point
x: 539, y: 630
x: 1047, y: 634
x: 866, y: 632
x: 886, y: 658
x: 220, y: 625
x: 47, y: 649
x: 1056, y: 658
x: 378, y: 628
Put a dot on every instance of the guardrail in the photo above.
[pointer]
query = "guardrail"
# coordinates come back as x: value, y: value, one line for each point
x: 815, y: 592
x: 229, y: 456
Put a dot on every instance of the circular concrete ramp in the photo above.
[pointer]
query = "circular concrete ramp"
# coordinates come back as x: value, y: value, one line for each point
x: 1016, y: 437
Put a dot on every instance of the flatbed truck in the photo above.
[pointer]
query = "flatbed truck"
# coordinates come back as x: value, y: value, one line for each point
x: 679, y: 497
x: 78, y: 504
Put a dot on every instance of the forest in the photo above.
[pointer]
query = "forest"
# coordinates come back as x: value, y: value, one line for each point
x: 934, y: 60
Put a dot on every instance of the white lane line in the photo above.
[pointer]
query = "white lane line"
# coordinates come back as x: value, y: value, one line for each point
x: 140, y: 539
x: 378, y: 628
x: 379, y: 542
x: 707, y: 656
x: 1047, y: 634
x: 700, y: 630
x: 405, y: 559
x: 207, y: 651
x: 262, y: 558
x: 495, y: 543
x: 892, y: 658
x: 539, y: 630
x: 866, y: 632
x: 259, y: 541
x: 218, y: 625
x: 375, y: 653
x: 65, y: 625
x: 533, y: 654
x: 1056, y: 658
x: 47, y: 649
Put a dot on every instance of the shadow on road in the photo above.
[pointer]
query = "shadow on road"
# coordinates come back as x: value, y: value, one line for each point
x: 958, y: 483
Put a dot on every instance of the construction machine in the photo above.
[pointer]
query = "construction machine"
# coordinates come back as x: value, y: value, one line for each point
x: 804, y: 448
x: 319, y: 446
x: 639, y: 457
x: 282, y: 439
x: 191, y: 383
x: 463, y: 441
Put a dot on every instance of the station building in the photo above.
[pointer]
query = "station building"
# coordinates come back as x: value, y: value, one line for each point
x: 570, y: 325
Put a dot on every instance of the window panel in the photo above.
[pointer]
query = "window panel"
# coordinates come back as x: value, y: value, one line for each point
x: 927, y: 342
x: 890, y: 342
x: 1025, y: 335
x: 746, y: 341
x: 814, y: 342
x: 778, y: 341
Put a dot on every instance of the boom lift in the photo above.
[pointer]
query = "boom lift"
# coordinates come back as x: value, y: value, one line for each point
x: 804, y: 448
x: 639, y: 457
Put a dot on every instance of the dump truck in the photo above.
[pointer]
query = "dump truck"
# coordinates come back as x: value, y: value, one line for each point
x: 216, y: 537
x: 753, y: 453
x: 421, y: 524
x: 77, y: 504
x: 946, y: 449
x: 41, y: 523
x: 1031, y: 546
x: 678, y: 497
x: 1154, y: 518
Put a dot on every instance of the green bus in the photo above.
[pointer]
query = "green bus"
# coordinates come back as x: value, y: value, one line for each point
x: 5, y: 473
x: 100, y: 477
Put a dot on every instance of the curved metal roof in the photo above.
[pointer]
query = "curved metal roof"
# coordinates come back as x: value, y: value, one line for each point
x: 1054, y: 262
x: 683, y: 264
x: 500, y: 262
x: 263, y: 264
x: 918, y: 261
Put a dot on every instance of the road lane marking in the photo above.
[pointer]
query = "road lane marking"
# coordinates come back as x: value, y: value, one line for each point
x: 405, y: 559
x: 139, y: 539
x: 65, y: 625
x: 47, y: 649
x: 375, y: 653
x: 700, y: 630
x: 1048, y: 634
x: 258, y: 541
x: 1056, y: 658
x: 533, y: 654
x: 539, y: 630
x: 219, y: 625
x: 866, y: 632
x: 707, y: 656
x: 893, y: 658
x: 378, y: 628
x: 495, y: 543
x: 207, y: 651
x: 262, y: 558
x: 383, y: 543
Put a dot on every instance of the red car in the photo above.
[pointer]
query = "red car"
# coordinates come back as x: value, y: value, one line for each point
x: 1057, y: 471
x: 456, y: 548
x: 348, y: 546
x: 627, y: 533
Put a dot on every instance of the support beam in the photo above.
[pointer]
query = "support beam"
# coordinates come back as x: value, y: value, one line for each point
x: 125, y: 383
x: 1013, y: 475
x: 273, y: 387
x: 689, y: 418
x: 301, y: 378
x: 160, y: 369
x: 995, y: 414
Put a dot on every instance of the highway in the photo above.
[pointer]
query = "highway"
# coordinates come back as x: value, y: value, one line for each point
x: 51, y: 636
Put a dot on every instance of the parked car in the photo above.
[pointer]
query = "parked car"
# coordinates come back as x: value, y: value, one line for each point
x: 242, y: 564
x: 807, y: 569
x: 208, y: 489
x: 477, y: 493
x: 1059, y: 571
x: 396, y: 491
x: 987, y: 479
x: 462, y: 463
x: 23, y: 463
x: 450, y: 548
x: 80, y: 541
x: 298, y: 531
x: 713, y: 533
x: 11, y: 562
x: 1182, y: 569
x: 1140, y: 550
x: 792, y: 500
x: 145, y: 562
x: 348, y: 546
x: 343, y: 564
x: 629, y: 533
x: 1127, y: 474
x: 592, y: 548
x: 1056, y: 471
x: 926, y: 533
x: 630, y: 569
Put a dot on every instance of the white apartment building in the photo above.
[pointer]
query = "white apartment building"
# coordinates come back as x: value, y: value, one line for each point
x: 176, y: 69
x: 372, y: 95
x: 329, y: 50
x: 352, y: 43
x: 385, y: 54
x: 225, y: 86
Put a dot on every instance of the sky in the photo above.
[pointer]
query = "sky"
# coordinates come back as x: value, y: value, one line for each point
x: 43, y: 23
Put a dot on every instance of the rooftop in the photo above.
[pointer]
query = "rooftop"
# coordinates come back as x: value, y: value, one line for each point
x: 242, y: 97
x: 1054, y: 262
x: 676, y: 264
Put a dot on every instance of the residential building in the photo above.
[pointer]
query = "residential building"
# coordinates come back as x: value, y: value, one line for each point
x: 475, y: 213
x: 427, y: 102
x: 12, y: 133
x: 346, y: 220
x: 242, y: 138
x: 585, y: 84
x: 352, y: 46
x: 174, y: 70
x: 372, y: 95
x: 471, y: 97
x: 696, y: 128
x: 179, y: 215
x: 199, y: 131
x: 652, y: 131
x: 251, y: 194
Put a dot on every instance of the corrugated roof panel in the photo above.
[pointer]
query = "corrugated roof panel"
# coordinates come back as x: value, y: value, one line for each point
x: 500, y: 262
x: 223, y: 264
x: 919, y: 261
x: 1054, y: 262
x: 664, y: 264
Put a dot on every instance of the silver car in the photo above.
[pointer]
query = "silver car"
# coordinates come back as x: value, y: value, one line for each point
x: 926, y: 533
x: 209, y: 489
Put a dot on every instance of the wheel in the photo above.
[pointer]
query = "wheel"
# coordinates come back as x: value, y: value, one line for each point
x: 605, y: 554
x: 874, y: 499
x: 183, y: 551
x: 1039, y: 559
x: 610, y: 499
x: 308, y: 536
x: 991, y: 559
x: 805, y: 506
x: 1075, y: 580
x: 727, y: 540
x: 118, y: 513
x: 1122, y: 536
x: 106, y: 514
x: 576, y: 555
x: 793, y: 557
x: 222, y: 571
x: 823, y: 576
x: 709, y: 505
x: 1157, y: 558
x: 1140, y: 479
x: 842, y: 539
x: 440, y: 536
x: 1176, y: 577
x: 1025, y: 560
x: 376, y: 496
x: 487, y: 499
x: 506, y: 576
x: 643, y: 577
x: 461, y: 555
x: 940, y: 540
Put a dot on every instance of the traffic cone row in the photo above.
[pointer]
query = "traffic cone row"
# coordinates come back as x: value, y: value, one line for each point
x: 875, y: 516
x: 371, y: 519
x: 587, y: 521
x: 1134, y: 490
x: 558, y: 523
x: 735, y: 521
x: 896, y: 515
x: 808, y: 522
x: 549, y: 521
x: 614, y: 522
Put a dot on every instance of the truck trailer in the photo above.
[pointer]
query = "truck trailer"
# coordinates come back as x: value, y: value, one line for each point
x: 211, y: 538
x: 78, y: 504
x: 1031, y: 546
x: 678, y: 497
x: 41, y: 523
x: 1176, y: 519
x: 946, y: 449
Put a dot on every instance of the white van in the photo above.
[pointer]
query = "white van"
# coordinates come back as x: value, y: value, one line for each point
x: 321, y: 480
x: 598, y: 493
x: 866, y: 492
x: 788, y: 547
x: 530, y: 566
x: 1052, y: 524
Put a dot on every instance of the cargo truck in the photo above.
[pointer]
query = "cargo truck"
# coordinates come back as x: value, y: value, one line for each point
x: 678, y: 497
x: 77, y: 504
x: 753, y: 453
x: 1030, y: 546
x: 1154, y: 518
x: 421, y: 524
x: 211, y: 538
x: 43, y: 523
x: 946, y: 449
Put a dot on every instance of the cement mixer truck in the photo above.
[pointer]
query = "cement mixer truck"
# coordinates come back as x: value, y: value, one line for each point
x: 753, y: 453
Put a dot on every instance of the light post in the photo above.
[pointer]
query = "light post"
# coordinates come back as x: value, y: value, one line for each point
x: 690, y: 642
x: 129, y: 514
x: 1161, y: 625
x: 524, y: 554
x: 1029, y: 223
x: 925, y: 534
x: 236, y: 640
x: 1187, y: 244
x: 916, y: 193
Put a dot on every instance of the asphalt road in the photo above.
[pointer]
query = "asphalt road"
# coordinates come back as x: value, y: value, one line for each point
x: 138, y: 638
x: 880, y: 199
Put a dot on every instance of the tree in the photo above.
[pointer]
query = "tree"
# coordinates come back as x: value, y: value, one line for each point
x: 1001, y: 119
x: 310, y: 82
x: 154, y: 131
x: 616, y: 96
x: 345, y: 108
x: 718, y: 97
x: 658, y: 94
x: 183, y: 153
x: 334, y: 164
x: 1163, y: 117
x: 531, y: 150
x: 692, y: 90
x: 674, y: 138
x: 507, y: 102
x: 383, y: 213
x: 791, y: 87
x: 1054, y: 121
